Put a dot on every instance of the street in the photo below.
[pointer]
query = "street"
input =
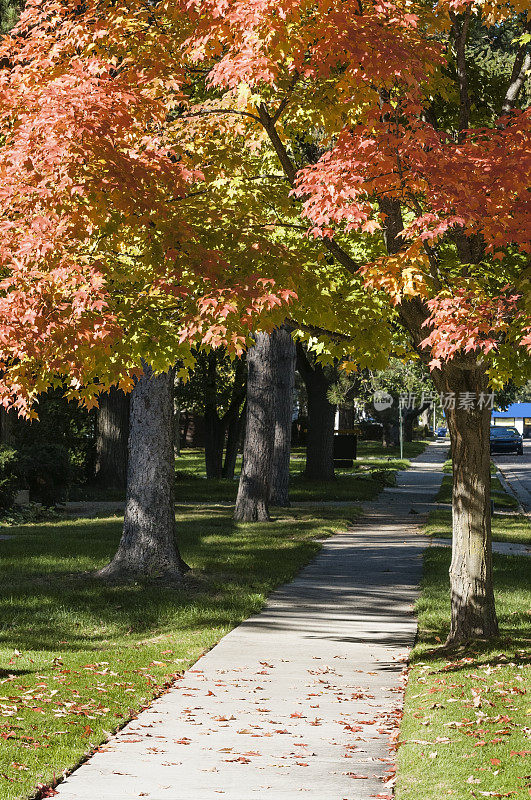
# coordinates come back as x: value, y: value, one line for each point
x: 517, y: 472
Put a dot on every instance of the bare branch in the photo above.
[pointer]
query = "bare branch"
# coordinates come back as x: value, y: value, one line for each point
x: 207, y: 111
x: 460, y: 32
x: 318, y: 331
x: 290, y: 170
x: 278, y: 113
x: 278, y: 145
x: 289, y: 225
x: 521, y: 66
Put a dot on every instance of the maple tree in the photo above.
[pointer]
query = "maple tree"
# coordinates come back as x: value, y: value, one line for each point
x: 108, y: 256
x: 286, y: 119
x: 445, y: 197
x: 97, y: 251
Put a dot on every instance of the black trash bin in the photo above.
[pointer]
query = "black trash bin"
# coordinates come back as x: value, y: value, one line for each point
x: 345, y: 449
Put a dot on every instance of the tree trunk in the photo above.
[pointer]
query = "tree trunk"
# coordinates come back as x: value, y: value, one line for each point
x: 112, y: 428
x: 148, y: 548
x: 408, y: 427
x: 234, y: 435
x: 8, y: 423
x: 252, y: 502
x: 320, y: 441
x: 473, y: 609
x: 387, y: 433
x: 214, y: 442
x: 176, y: 418
x: 214, y: 429
x: 346, y: 418
x: 321, y: 419
x: 410, y: 415
x: 283, y: 353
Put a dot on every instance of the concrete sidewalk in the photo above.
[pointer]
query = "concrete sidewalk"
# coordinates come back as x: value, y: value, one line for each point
x: 300, y: 700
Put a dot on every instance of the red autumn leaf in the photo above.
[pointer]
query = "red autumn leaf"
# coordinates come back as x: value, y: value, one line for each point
x: 239, y: 759
x: 45, y: 791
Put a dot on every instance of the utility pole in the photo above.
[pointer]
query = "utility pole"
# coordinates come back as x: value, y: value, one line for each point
x: 401, y: 423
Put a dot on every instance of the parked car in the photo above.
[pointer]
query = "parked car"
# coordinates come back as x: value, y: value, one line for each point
x: 506, y: 440
x: 441, y: 432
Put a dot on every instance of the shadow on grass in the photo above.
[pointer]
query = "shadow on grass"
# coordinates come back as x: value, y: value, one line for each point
x: 51, y: 600
x: 8, y: 673
x: 511, y: 585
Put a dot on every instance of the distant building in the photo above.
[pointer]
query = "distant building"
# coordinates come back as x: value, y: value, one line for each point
x: 518, y: 415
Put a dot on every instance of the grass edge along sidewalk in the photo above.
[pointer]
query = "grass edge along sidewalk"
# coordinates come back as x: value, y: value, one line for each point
x: 466, y: 729
x: 79, y: 659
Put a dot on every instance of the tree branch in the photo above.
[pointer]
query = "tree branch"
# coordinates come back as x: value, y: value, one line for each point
x: 278, y: 113
x: 303, y: 364
x: 239, y: 388
x: 521, y: 66
x: 207, y: 111
x: 460, y: 35
x: 290, y: 170
x: 318, y: 331
x: 278, y: 146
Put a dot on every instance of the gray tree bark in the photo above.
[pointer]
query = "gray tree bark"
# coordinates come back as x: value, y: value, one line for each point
x: 252, y: 502
x: 321, y: 420
x: 214, y: 426
x: 176, y: 418
x: 234, y: 435
x: 112, y: 430
x: 218, y: 427
x: 148, y: 548
x: 283, y: 355
x: 471, y: 582
x: 521, y: 66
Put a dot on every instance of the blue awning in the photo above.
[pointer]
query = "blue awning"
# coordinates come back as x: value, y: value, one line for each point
x: 514, y: 411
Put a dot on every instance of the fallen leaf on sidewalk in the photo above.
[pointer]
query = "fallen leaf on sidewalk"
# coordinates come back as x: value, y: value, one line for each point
x: 241, y: 759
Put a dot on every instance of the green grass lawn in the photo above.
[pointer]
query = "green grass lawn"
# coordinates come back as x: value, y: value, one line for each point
x: 78, y: 658
x: 447, y: 466
x: 501, y: 498
x: 507, y: 528
x: 375, y: 468
x: 466, y: 726
x: 364, y: 481
x: 368, y: 449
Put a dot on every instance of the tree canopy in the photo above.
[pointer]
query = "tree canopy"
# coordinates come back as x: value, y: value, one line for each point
x: 165, y: 165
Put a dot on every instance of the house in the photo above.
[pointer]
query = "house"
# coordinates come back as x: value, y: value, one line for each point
x: 518, y: 415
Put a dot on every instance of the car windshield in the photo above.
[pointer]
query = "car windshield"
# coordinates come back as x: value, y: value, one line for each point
x: 503, y: 432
